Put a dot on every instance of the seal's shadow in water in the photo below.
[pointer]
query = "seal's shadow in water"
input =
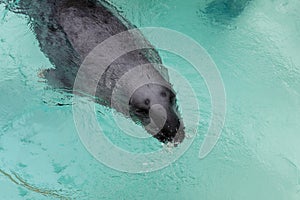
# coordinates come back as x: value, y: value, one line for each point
x: 225, y: 10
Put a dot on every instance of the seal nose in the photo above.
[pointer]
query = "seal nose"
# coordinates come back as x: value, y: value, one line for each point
x: 171, y: 125
x: 166, y: 120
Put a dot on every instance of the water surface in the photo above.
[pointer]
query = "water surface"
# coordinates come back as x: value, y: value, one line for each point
x: 257, y: 156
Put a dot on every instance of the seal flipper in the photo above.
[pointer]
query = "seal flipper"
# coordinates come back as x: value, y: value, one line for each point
x: 56, y: 79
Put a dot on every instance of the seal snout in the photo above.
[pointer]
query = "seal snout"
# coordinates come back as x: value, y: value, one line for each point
x: 166, y: 121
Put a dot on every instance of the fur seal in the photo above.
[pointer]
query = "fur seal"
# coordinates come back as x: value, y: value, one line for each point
x: 67, y: 30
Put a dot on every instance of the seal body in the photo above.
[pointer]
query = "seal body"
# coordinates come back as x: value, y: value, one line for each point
x: 68, y: 30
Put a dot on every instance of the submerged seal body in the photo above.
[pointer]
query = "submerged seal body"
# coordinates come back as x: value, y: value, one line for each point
x: 68, y: 30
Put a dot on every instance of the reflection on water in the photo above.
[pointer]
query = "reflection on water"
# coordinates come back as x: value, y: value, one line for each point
x: 21, y: 182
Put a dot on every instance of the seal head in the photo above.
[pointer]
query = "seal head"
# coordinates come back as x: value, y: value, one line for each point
x: 155, y: 107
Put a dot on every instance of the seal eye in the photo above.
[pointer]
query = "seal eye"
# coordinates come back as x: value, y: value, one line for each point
x: 147, y: 101
x: 163, y: 94
x: 172, y: 98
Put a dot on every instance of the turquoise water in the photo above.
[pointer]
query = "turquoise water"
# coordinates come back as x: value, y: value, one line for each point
x: 257, y: 156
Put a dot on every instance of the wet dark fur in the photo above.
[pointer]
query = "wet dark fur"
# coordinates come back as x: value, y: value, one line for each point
x: 67, y: 30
